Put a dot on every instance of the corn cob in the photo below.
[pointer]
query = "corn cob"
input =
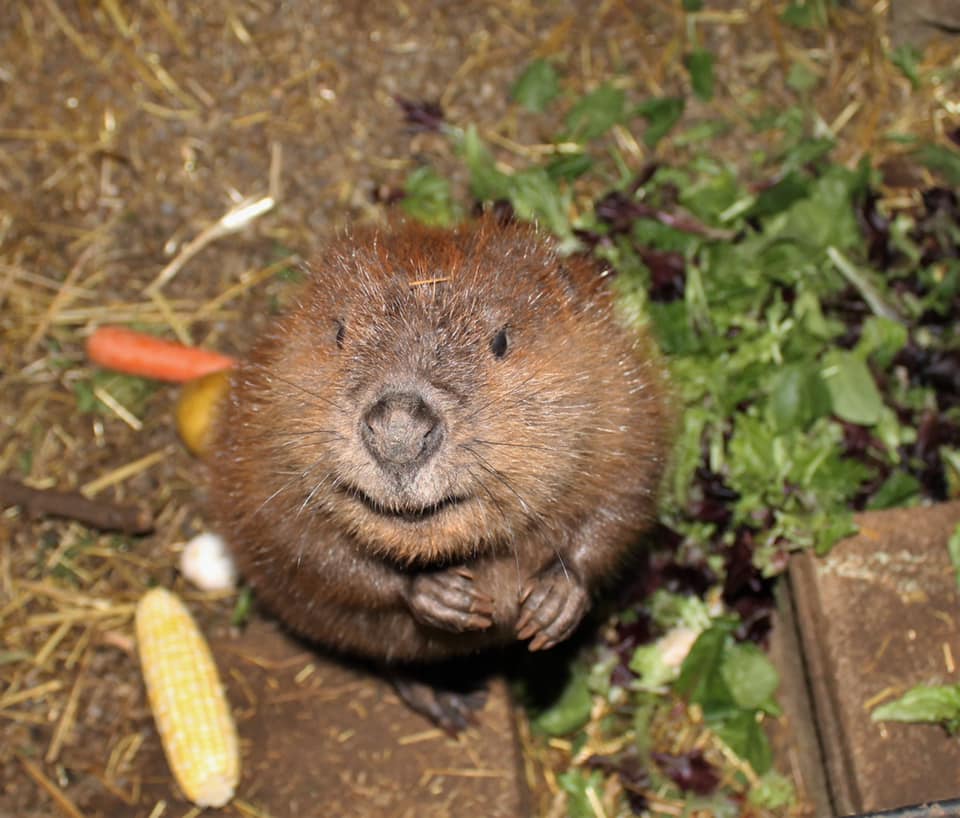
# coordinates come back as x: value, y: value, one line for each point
x: 197, y: 731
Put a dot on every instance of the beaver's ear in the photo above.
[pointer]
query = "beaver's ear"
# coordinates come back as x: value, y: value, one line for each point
x: 341, y: 328
x: 500, y: 343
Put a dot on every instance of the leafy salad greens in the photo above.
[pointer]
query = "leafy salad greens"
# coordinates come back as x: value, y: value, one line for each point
x: 811, y: 341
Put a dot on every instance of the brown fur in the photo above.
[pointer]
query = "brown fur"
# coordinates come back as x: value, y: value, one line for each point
x: 552, y: 454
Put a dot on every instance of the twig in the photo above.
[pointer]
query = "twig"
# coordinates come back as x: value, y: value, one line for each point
x: 235, y: 219
x: 124, y: 472
x: 71, y: 33
x: 63, y: 296
x: 68, y: 718
x: 64, y: 804
x: 74, y: 506
x: 31, y: 693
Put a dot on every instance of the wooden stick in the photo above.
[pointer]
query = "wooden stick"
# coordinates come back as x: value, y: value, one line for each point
x: 74, y: 506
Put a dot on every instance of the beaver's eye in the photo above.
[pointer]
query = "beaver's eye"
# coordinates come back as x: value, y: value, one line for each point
x: 341, y: 332
x: 499, y: 344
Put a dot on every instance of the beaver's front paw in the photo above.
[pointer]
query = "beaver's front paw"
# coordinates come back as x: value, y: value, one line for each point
x: 449, y: 600
x: 551, y: 606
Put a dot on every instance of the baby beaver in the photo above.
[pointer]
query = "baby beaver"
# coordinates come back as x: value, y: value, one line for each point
x: 447, y: 444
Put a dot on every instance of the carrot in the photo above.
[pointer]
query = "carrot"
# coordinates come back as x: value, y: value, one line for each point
x: 136, y: 353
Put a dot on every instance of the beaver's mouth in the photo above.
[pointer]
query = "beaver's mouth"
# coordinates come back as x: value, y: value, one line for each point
x: 404, y: 514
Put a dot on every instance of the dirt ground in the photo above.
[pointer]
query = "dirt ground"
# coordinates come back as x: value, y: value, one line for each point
x: 126, y: 130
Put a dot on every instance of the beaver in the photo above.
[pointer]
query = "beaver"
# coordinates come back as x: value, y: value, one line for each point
x: 449, y: 442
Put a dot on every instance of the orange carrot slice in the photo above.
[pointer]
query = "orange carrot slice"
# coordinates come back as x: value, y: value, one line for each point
x: 136, y: 353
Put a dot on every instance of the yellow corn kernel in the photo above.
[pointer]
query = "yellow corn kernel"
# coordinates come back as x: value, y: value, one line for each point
x: 187, y: 699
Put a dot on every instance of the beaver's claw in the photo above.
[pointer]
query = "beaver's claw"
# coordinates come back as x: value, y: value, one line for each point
x: 449, y: 600
x: 552, y: 604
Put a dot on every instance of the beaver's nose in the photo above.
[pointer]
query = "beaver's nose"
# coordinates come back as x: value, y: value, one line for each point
x: 401, y: 430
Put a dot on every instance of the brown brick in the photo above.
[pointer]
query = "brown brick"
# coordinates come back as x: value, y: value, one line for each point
x: 876, y: 616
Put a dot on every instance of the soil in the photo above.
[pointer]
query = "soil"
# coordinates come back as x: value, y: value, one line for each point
x: 126, y: 130
x: 318, y: 733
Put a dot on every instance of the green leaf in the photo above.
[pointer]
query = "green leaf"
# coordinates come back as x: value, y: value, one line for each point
x: 86, y: 400
x: 907, y: 58
x: 688, y: 449
x: 830, y: 528
x: 924, y: 703
x: 807, y: 13
x: 825, y: 218
x: 702, y: 131
x: 777, y: 198
x: 750, y: 677
x: 575, y: 784
x: 537, y: 86
x: 671, y: 610
x: 25, y: 458
x: 661, y: 115
x: 597, y: 112
x: 798, y: 396
x: 600, y: 671
x: 692, y: 5
x: 809, y: 313
x: 487, y: 183
x: 428, y: 198
x: 806, y: 152
x: 754, y: 464
x: 647, y: 662
x: 535, y: 196
x: 129, y: 391
x: 801, y: 78
x: 645, y: 709
x: 569, y: 166
x: 881, y: 339
x: 701, y: 680
x: 762, y: 465
x: 243, y: 607
x: 673, y: 327
x: 773, y: 792
x: 852, y: 389
x: 897, y: 490
x: 743, y: 733
x: 571, y: 710
x: 700, y: 65
x: 942, y: 160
